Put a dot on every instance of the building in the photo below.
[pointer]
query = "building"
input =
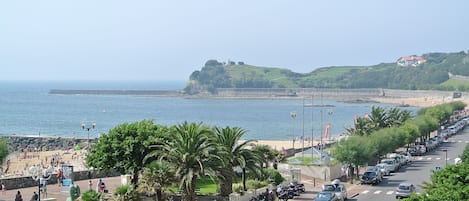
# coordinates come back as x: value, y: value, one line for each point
x: 411, y: 61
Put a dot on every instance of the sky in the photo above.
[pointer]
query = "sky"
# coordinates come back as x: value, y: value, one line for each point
x: 168, y: 40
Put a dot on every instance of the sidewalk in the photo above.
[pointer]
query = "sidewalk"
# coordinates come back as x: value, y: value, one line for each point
x: 314, y: 186
x: 54, y: 191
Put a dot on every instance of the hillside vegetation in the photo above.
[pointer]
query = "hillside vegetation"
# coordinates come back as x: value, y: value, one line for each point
x: 440, y: 71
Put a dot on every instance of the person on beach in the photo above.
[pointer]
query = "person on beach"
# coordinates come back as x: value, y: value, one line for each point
x: 4, y: 189
x: 59, y: 177
x: 18, y: 196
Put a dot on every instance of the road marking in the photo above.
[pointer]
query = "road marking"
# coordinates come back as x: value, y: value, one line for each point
x: 429, y: 159
x: 448, y: 159
x: 438, y: 158
x: 365, y: 192
x: 460, y: 141
x: 420, y: 158
x: 377, y: 192
x: 389, y: 192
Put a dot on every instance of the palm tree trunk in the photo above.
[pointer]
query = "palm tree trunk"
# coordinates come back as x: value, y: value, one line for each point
x: 244, y: 179
x: 226, y: 185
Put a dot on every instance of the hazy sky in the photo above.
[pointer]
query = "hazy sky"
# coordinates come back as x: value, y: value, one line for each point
x: 168, y: 40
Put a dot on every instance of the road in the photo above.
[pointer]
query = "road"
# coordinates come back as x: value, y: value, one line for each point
x: 419, y: 171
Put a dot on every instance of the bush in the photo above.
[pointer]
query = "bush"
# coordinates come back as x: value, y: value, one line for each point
x: 90, y: 195
x: 273, y: 176
x: 126, y: 193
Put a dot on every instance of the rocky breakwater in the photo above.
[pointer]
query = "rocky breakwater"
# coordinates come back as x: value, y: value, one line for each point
x: 19, y: 143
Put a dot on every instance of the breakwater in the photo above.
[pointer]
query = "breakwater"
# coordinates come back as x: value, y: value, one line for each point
x: 19, y: 143
x: 337, y: 94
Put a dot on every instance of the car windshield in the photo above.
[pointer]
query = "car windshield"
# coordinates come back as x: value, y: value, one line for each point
x: 324, y: 195
x: 389, y: 162
x: 329, y: 187
x: 404, y: 187
x: 380, y: 166
x: 369, y: 174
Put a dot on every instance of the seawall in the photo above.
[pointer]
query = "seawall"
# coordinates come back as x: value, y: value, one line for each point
x: 338, y: 94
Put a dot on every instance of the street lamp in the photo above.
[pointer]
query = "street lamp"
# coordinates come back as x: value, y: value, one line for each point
x: 330, y: 112
x: 38, y: 174
x: 84, y: 127
x: 293, y: 116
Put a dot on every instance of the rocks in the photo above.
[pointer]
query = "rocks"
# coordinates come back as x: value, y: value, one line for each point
x: 19, y: 143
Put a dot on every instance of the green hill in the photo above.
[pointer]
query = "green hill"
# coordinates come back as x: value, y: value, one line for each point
x: 432, y: 71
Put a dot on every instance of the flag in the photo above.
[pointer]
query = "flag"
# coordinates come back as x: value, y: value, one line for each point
x: 326, y: 131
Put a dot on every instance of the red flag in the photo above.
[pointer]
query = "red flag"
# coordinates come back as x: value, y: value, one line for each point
x: 326, y: 131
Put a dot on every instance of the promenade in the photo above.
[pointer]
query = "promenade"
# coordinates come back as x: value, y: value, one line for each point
x: 54, y: 191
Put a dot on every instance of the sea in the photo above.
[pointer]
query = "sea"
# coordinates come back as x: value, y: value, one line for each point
x: 27, y: 109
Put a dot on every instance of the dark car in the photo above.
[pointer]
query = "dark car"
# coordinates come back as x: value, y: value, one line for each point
x: 326, y: 196
x: 369, y: 177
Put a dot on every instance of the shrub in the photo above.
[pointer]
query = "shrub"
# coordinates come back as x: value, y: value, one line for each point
x: 273, y: 176
x: 90, y: 195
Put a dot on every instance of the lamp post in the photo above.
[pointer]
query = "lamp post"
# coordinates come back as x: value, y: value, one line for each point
x: 38, y: 173
x: 84, y: 127
x: 293, y: 116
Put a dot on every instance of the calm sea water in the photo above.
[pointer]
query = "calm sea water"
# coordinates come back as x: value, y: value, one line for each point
x: 26, y: 108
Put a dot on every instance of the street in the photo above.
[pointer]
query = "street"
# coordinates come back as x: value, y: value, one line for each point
x: 419, y: 171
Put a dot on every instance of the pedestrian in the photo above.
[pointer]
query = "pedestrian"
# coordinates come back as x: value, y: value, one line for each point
x: 4, y: 188
x: 18, y: 196
x: 102, y: 186
x: 35, y: 197
x: 90, y: 185
x: 59, y: 177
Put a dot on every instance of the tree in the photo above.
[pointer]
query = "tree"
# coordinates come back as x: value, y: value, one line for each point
x: 3, y: 149
x: 191, y: 148
x: 124, y: 147
x: 353, y: 151
x: 156, y: 176
x: 238, y: 155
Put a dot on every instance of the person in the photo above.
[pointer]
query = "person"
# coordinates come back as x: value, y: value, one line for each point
x: 90, y: 185
x: 35, y: 197
x: 43, y: 187
x: 59, y: 177
x: 102, y: 186
x: 18, y: 196
x: 4, y: 188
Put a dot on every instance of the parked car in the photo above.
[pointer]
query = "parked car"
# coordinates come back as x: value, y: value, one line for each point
x: 413, y: 150
x: 339, y: 189
x: 404, y: 190
x: 392, y: 163
x: 407, y: 156
x: 384, y: 168
x: 370, y: 177
x: 375, y: 169
x: 399, y: 159
x: 326, y: 196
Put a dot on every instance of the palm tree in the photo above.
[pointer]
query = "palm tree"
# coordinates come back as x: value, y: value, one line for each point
x: 237, y: 155
x: 190, y: 148
x: 156, y: 176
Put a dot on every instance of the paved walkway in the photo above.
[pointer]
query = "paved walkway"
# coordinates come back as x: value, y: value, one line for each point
x: 54, y: 191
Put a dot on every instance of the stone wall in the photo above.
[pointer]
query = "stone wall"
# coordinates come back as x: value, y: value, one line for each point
x: 27, y: 181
